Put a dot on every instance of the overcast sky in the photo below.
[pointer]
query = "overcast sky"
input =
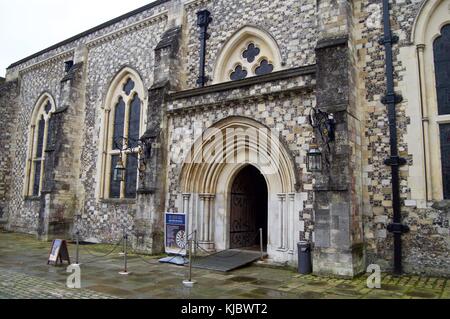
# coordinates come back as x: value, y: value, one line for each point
x: 28, y: 26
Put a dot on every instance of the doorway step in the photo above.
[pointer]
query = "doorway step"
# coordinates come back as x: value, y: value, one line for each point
x: 227, y: 260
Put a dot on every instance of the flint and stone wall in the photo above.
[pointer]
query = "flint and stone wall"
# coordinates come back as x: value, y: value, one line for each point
x: 345, y: 211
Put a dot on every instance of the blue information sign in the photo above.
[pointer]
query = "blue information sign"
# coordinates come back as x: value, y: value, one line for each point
x: 175, y: 233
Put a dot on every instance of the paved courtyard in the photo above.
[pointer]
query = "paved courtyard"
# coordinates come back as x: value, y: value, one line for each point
x: 24, y: 273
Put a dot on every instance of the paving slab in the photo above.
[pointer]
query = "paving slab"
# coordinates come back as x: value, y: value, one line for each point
x: 23, y: 263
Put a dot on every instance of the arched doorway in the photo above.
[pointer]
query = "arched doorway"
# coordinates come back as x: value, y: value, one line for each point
x: 248, y: 209
x: 208, y: 176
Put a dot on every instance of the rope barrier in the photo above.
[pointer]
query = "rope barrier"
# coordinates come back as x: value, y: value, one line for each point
x: 97, y: 257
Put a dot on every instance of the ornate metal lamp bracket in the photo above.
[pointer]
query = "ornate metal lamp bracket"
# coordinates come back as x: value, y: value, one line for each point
x: 325, y: 124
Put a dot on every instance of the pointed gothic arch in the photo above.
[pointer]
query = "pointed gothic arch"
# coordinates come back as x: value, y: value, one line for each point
x: 223, y: 148
x: 210, y: 169
x: 123, y: 123
x: 43, y: 109
x: 251, y: 51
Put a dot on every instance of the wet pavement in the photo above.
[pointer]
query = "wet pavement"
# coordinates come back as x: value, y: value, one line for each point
x: 24, y: 273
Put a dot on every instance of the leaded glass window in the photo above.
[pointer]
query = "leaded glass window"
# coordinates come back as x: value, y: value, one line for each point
x: 238, y: 74
x: 125, y: 130
x: 134, y: 121
x: 445, y: 158
x: 252, y: 62
x: 248, y: 53
x: 38, y: 138
x: 441, y: 50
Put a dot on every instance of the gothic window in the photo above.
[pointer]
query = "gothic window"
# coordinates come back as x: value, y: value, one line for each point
x: 254, y: 61
x: 122, y: 131
x: 441, y: 49
x: 442, y: 70
x: 37, y: 145
x: 250, y: 52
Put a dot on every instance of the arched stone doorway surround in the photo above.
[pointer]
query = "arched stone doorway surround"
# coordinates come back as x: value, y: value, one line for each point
x: 208, y: 174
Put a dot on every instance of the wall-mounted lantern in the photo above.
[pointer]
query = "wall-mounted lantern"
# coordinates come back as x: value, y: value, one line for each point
x: 314, y: 159
x: 325, y: 124
x: 120, y: 169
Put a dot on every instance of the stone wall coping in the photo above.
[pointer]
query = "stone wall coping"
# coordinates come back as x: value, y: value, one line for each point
x: 128, y: 29
x: 231, y: 85
x: 58, y: 57
x: 332, y: 42
x: 193, y: 3
x: 90, y: 31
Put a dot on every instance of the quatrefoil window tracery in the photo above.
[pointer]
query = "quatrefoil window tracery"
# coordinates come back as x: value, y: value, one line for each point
x: 251, y: 53
x: 239, y: 73
x: 254, y: 67
x: 264, y: 68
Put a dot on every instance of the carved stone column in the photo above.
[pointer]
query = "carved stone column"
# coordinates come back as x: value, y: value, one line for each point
x: 206, y: 221
x: 291, y: 229
x: 282, y: 221
x: 187, y: 212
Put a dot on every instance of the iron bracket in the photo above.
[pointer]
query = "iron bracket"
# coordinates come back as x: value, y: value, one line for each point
x: 392, y: 40
x: 392, y: 98
x: 395, y: 161
x: 398, y: 228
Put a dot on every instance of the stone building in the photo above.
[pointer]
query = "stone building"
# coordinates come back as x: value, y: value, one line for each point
x: 204, y: 107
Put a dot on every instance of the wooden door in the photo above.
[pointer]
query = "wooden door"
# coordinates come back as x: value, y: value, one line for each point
x: 248, y: 208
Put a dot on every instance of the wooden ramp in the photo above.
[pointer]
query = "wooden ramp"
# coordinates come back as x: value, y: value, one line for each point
x: 227, y: 260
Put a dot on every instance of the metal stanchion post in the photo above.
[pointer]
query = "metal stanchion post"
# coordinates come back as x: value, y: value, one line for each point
x: 77, y: 260
x: 189, y: 283
x: 261, y: 243
x: 195, y: 243
x: 123, y: 244
x: 190, y: 261
x: 125, y: 258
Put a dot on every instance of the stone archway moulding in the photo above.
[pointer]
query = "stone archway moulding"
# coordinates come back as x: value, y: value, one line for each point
x: 210, y: 168
x: 273, y: 160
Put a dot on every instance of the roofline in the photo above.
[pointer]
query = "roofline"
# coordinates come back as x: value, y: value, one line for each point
x: 90, y: 31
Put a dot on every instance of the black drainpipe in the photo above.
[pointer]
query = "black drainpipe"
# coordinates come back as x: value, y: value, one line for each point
x: 395, y: 161
x: 203, y: 21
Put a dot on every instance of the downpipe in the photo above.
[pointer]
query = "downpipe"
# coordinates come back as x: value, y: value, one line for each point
x: 394, y: 161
